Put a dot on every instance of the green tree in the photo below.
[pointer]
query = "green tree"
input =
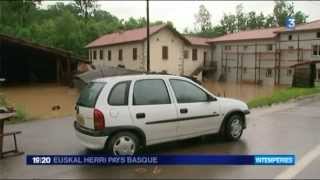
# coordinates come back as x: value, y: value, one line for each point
x: 203, y: 19
x: 270, y: 21
x: 284, y: 9
x: 300, y: 17
x: 229, y: 23
x: 85, y: 7
x: 241, y: 18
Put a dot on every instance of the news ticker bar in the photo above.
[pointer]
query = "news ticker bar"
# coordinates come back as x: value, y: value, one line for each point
x: 161, y: 160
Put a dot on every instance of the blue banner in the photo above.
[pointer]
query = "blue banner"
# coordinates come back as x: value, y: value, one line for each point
x: 161, y: 160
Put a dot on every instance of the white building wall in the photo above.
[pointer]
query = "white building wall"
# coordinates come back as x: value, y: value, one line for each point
x: 127, y: 56
x: 189, y: 64
x: 173, y: 64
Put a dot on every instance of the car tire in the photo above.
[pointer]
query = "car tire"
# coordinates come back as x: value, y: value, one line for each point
x: 233, y: 127
x: 123, y: 143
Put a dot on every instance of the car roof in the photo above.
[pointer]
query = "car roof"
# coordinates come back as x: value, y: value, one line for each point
x: 136, y: 77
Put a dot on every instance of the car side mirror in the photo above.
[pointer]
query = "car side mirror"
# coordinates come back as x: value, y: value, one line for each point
x: 210, y: 98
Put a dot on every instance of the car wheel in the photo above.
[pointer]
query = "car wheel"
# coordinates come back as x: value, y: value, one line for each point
x: 123, y: 143
x: 234, y: 127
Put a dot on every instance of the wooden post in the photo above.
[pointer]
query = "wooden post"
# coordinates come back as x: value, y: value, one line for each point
x: 237, y: 62
x: 1, y: 52
x: 298, y: 46
x: 279, y: 67
x: 222, y: 58
x: 226, y: 66
x: 241, y: 67
x: 255, y: 62
x: 259, y: 66
x: 69, y: 78
x: 275, y: 67
x: 58, y: 77
x: 148, y: 38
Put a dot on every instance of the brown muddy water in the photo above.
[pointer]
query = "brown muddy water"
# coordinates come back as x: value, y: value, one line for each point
x: 242, y: 91
x: 39, y: 100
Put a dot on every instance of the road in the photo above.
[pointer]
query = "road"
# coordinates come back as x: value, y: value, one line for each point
x: 291, y: 128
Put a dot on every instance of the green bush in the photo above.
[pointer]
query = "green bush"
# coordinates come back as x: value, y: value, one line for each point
x: 21, y: 114
x: 282, y: 96
x: 3, y: 101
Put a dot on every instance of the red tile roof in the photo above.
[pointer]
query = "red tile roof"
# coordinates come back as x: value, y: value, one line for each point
x: 268, y: 33
x: 197, y: 41
x: 313, y: 25
x: 132, y: 35
x: 138, y: 34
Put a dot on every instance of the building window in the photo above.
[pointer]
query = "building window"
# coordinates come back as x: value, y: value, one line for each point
x: 90, y: 55
x: 165, y: 52
x: 185, y: 54
x: 269, y: 73
x: 194, y: 54
x: 269, y: 47
x: 227, y: 48
x: 101, y: 54
x: 120, y: 55
x: 318, y: 74
x: 316, y: 50
x: 109, y: 55
x: 289, y: 72
x: 291, y: 47
x: 134, y: 53
x: 245, y: 47
x: 94, y: 54
x: 289, y: 37
x: 318, y: 34
x: 244, y: 70
x: 229, y: 69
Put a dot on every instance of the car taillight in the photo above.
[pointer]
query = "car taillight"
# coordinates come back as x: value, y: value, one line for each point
x: 98, y: 120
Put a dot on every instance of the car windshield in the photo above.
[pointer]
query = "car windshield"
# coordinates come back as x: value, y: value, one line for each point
x: 89, y: 94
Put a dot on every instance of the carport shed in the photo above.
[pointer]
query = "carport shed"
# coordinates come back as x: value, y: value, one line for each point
x: 22, y: 61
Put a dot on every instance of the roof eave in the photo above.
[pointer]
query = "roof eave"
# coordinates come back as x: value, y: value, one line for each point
x: 237, y: 40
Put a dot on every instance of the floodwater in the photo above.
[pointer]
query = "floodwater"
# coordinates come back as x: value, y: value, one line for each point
x: 45, y: 101
x: 242, y: 91
x: 42, y: 101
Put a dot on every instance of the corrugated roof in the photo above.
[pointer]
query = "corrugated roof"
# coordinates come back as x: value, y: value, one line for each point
x: 313, y: 25
x: 268, y: 33
x: 198, y: 41
x: 132, y: 35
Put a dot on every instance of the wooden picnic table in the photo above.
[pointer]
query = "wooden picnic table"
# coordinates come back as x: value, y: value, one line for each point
x: 4, y: 117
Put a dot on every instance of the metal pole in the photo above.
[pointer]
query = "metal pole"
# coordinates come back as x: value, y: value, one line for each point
x: 148, y: 39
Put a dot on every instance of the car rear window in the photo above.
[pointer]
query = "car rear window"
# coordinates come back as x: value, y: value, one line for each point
x: 90, y: 93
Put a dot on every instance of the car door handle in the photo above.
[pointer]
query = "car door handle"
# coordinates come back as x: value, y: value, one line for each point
x: 184, y: 111
x: 140, y: 115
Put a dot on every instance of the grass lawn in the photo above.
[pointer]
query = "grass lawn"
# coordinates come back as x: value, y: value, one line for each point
x: 282, y: 96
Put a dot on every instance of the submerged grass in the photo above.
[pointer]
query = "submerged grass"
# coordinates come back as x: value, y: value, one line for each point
x: 21, y: 114
x: 282, y: 96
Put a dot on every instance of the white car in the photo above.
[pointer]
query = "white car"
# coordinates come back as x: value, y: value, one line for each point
x: 124, y: 113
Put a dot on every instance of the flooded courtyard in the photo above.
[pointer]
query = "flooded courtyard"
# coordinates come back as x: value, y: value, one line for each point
x: 44, y: 101
x: 242, y: 91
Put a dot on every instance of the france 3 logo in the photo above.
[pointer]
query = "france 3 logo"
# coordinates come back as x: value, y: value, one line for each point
x: 290, y: 23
